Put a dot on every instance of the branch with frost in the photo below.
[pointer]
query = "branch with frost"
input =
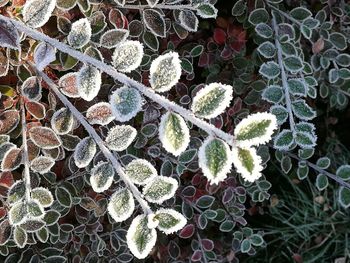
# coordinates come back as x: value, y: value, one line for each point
x: 25, y: 155
x: 101, y: 144
x: 161, y: 100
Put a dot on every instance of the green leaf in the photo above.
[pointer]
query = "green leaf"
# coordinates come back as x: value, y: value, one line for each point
x: 305, y: 140
x: 302, y: 110
x: 245, y: 245
x: 256, y: 240
x: 303, y: 170
x: 187, y: 156
x: 297, y: 87
x: 140, y: 171
x: 17, y: 214
x: 300, y: 13
x: 259, y: 15
x: 122, y: 205
x: 343, y: 60
x: 207, y: 11
x: 247, y: 163
x: 174, y: 133
x: 344, y: 197
x: 170, y: 220
x: 63, y: 196
x: 214, y: 159
x: 293, y: 64
x: 140, y: 238
x: 120, y: 137
x: 161, y: 188
x: 80, y: 33
x: 212, y: 100
x: 127, y: 56
x: 321, y: 182
x: 101, y: 177
x: 42, y: 195
x: 280, y: 112
x: 344, y: 172
x: 269, y: 70
x: 273, y: 94
x: 126, y: 103
x: 323, y: 162
x: 42, y: 235
x: 165, y: 72
x: 16, y: 192
x: 205, y: 201
x: 84, y: 152
x: 51, y: 217
x: 284, y: 140
x: 238, y: 8
x: 264, y: 30
x: 286, y: 164
x: 20, y: 237
x: 255, y: 129
x: 267, y: 49
x: 197, y: 51
x: 338, y: 40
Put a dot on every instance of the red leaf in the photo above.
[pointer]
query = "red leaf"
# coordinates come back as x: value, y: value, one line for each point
x: 220, y: 36
x: 6, y: 179
x: 207, y: 244
x: 44, y: 137
x: 12, y: 159
x: 196, y: 256
x: 36, y: 109
x: 187, y: 231
x: 9, y: 121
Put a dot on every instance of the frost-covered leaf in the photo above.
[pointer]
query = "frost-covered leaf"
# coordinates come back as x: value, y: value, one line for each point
x: 344, y: 172
x: 42, y: 235
x: 34, y: 209
x: 293, y: 64
x: 113, y: 37
x: 264, y: 30
x: 152, y: 3
x: 80, y: 33
x: 214, y: 159
x: 247, y: 163
x: 154, y: 21
x: 9, y: 121
x: 20, y: 237
x: 284, y: 140
x: 62, y: 121
x: 42, y: 164
x: 89, y: 81
x: 321, y: 182
x: 68, y: 84
x: 267, y: 49
x: 84, y: 152
x: 16, y: 192
x: 12, y: 160
x: 305, y: 140
x: 126, y: 103
x: 165, y: 72
x: 300, y: 13
x: 9, y: 36
x: 100, y: 113
x: 63, y: 197
x: 69, y: 142
x: 255, y: 129
x: 140, y: 171
x: 170, y: 220
x: 37, y: 12
x: 140, y: 239
x: 207, y: 10
x: 36, y: 109
x: 269, y: 70
x: 17, y: 213
x: 273, y: 94
x: 44, y: 137
x: 161, y: 188
x: 127, y: 56
x: 344, y: 197
x: 188, y: 20
x: 120, y: 137
x: 101, y: 177
x: 44, y: 54
x: 212, y: 100
x: 258, y: 15
x: 32, y: 225
x: 302, y: 110
x: 174, y: 133
x: 31, y: 88
x: 122, y: 205
x: 42, y: 195
x: 297, y: 87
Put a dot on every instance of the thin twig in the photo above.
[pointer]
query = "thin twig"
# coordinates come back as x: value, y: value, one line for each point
x: 160, y: 6
x: 292, y: 19
x: 25, y: 153
x: 161, y: 100
x: 283, y: 75
x: 106, y: 152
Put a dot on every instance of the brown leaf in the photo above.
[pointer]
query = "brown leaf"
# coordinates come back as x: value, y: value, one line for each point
x: 36, y: 109
x: 12, y: 159
x: 100, y: 113
x: 9, y: 121
x: 44, y: 137
x: 318, y: 46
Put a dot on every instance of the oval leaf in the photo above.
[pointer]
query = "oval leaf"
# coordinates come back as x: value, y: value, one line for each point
x: 42, y: 164
x: 20, y: 237
x: 42, y: 195
x: 170, y: 220
x: 62, y: 121
x: 101, y: 177
x: 120, y: 137
x: 154, y: 21
x: 44, y: 137
x: 84, y: 152
x: 31, y: 88
x: 89, y: 81
x: 127, y: 56
x: 113, y: 37
x: 161, y: 188
x: 80, y: 33
x: 121, y: 205
x: 44, y: 54
x: 140, y: 171
x: 247, y: 163
x: 100, y: 113
x: 9, y: 36
x: 37, y: 12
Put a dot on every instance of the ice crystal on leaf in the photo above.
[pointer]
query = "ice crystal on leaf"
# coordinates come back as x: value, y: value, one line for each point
x: 44, y: 54
x: 37, y: 12
x: 247, y: 163
x: 120, y: 137
x: 44, y: 137
x: 140, y: 238
x: 62, y: 121
x: 80, y: 33
x: 214, y: 159
x: 256, y: 129
x: 42, y: 195
x: 31, y: 88
x: 126, y: 103
x: 84, y: 152
x: 174, y: 133
x: 121, y: 205
x: 20, y: 237
x: 127, y: 56
x: 42, y: 164
x: 165, y: 72
x: 68, y: 84
x: 101, y: 177
x: 161, y: 188
x: 169, y: 220
x: 140, y: 171
x: 16, y: 192
x: 100, y: 113
x: 212, y: 100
